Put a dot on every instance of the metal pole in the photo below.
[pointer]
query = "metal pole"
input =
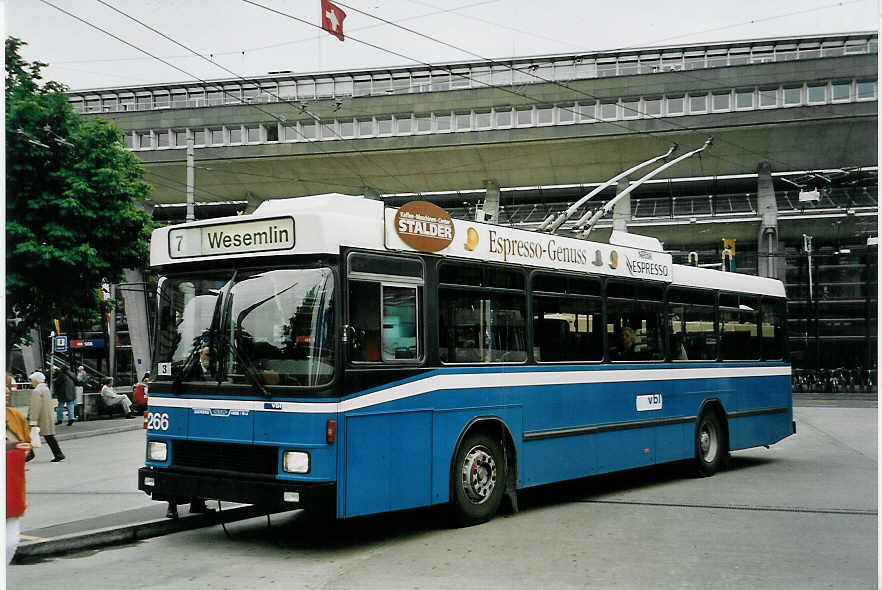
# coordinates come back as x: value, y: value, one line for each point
x: 606, y: 208
x: 191, y: 199
x: 51, y: 355
x: 575, y: 206
x: 807, y: 246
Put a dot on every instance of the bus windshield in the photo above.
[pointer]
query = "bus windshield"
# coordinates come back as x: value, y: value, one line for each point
x: 280, y: 327
x: 263, y: 328
x: 189, y: 313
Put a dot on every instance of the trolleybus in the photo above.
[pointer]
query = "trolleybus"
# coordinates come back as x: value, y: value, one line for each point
x: 330, y: 352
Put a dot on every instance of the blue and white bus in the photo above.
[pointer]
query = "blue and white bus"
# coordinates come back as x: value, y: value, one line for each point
x: 329, y: 352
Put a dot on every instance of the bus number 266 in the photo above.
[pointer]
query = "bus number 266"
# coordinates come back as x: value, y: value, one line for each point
x: 157, y: 421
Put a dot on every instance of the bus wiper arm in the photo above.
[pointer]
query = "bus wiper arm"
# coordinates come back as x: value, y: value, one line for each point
x: 250, y: 373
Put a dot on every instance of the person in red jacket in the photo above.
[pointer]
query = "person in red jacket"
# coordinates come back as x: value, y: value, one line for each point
x: 139, y: 395
x: 16, y: 455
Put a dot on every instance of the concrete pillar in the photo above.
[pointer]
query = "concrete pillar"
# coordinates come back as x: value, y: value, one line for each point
x: 111, y: 337
x: 134, y: 292
x: 491, y: 202
x: 622, y: 209
x: 769, y: 264
x: 254, y: 201
x: 371, y: 193
x: 147, y: 206
x: 33, y: 353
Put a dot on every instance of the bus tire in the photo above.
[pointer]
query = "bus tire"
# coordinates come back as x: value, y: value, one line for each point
x: 710, y: 443
x: 478, y: 479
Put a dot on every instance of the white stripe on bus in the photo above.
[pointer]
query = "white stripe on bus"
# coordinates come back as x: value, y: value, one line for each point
x: 444, y: 381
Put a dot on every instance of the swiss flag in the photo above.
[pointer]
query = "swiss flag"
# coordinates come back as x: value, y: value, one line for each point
x: 332, y: 19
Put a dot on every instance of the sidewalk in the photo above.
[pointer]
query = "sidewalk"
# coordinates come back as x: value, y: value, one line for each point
x: 94, y: 427
x: 91, y: 499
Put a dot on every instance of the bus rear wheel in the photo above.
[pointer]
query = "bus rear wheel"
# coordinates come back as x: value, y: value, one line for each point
x: 710, y: 444
x: 478, y: 479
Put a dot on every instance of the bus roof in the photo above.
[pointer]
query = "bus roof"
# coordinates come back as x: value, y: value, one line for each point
x: 322, y: 224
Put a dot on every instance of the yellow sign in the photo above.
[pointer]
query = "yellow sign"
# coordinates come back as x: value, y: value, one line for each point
x: 471, y: 239
x: 729, y: 244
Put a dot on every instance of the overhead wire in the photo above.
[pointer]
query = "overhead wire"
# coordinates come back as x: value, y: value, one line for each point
x: 207, y: 83
x: 447, y: 68
x: 496, y: 24
x: 275, y: 45
x: 318, y: 120
x: 238, y: 76
x: 492, y: 62
x: 654, y: 41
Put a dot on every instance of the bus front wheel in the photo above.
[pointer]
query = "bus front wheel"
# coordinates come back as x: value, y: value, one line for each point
x: 710, y: 443
x: 478, y: 479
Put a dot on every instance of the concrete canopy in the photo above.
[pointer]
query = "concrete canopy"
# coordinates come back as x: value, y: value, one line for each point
x: 803, y: 138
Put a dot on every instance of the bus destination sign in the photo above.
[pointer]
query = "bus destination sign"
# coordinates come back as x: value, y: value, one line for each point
x: 247, y: 237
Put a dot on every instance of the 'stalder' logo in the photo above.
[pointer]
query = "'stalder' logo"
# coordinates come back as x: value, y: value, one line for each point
x: 424, y: 226
x: 471, y: 239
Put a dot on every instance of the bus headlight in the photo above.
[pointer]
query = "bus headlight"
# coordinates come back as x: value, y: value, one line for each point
x: 157, y: 451
x: 295, y: 462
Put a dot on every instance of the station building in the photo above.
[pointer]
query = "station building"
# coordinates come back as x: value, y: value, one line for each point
x: 791, y: 176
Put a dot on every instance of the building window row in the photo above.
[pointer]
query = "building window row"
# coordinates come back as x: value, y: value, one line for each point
x: 466, y: 76
x: 643, y: 107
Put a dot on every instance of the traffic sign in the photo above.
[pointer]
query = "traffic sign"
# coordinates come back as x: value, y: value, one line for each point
x: 59, y: 344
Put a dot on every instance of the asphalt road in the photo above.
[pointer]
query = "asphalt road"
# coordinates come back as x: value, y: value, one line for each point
x: 802, y: 514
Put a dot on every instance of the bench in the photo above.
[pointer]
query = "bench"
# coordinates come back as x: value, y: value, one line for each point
x: 94, y: 407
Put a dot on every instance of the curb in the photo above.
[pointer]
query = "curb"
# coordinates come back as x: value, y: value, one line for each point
x: 90, y: 433
x: 128, y: 533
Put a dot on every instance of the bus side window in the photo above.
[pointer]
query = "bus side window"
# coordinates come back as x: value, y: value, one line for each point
x: 773, y: 329
x: 739, y: 336
x: 481, y: 327
x: 399, y: 323
x: 364, y: 317
x: 384, y: 322
x: 691, y: 325
x: 635, y: 326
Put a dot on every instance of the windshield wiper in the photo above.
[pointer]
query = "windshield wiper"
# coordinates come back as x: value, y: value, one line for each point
x: 232, y: 342
x: 249, y: 370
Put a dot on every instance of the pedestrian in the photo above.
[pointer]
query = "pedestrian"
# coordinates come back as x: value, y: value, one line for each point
x: 18, y: 431
x: 111, y: 398
x: 40, y: 413
x: 139, y: 395
x: 15, y: 494
x: 80, y: 381
x: 65, y: 390
x: 81, y: 377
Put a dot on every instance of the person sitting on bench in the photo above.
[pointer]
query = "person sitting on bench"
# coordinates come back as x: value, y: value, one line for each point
x: 111, y: 398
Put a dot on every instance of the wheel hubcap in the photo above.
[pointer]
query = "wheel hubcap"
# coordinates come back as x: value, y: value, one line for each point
x: 478, y: 475
x: 707, y: 442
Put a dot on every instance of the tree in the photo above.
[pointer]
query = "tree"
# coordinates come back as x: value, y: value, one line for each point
x: 72, y: 221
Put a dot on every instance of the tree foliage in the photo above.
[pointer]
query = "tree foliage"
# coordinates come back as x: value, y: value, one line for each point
x: 72, y: 221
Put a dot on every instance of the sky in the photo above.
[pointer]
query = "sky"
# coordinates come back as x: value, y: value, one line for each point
x: 249, y: 40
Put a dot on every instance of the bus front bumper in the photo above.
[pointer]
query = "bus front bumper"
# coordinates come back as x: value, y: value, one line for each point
x: 183, y: 487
